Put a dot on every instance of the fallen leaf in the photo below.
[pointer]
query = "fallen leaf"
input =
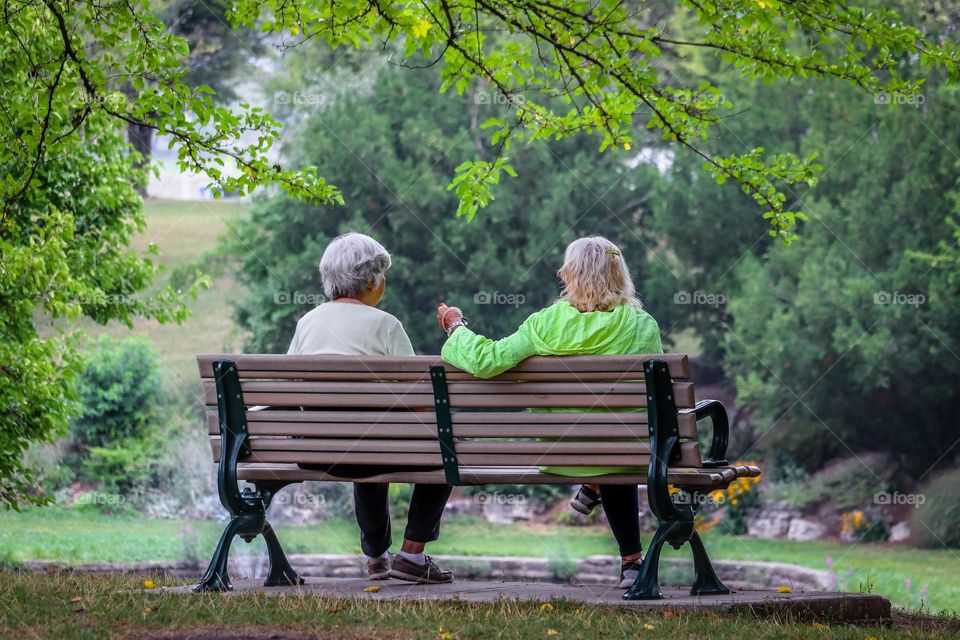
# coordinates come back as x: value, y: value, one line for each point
x: 372, y: 589
x: 648, y: 627
x: 551, y: 632
x: 76, y: 599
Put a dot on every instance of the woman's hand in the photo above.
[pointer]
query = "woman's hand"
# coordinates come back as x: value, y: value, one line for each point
x: 449, y: 318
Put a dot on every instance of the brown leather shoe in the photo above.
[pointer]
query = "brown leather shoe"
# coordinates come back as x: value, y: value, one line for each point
x: 379, y: 568
x: 428, y: 573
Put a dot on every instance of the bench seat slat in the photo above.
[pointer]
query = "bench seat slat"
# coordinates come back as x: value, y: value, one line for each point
x: 718, y: 478
x: 614, y: 366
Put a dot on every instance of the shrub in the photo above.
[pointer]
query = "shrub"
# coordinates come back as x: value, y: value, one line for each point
x: 858, y: 526
x: 51, y: 472
x: 124, y: 465
x: 936, y: 523
x: 740, y: 499
x: 118, y: 388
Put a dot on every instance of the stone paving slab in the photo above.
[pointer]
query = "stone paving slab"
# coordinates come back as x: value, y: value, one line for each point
x: 812, y: 606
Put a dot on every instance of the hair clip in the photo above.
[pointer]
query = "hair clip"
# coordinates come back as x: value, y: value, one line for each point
x: 613, y: 252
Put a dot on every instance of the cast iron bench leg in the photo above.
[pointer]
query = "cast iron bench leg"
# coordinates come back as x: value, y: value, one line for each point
x: 216, y: 578
x: 647, y: 584
x: 705, y: 580
x: 281, y: 573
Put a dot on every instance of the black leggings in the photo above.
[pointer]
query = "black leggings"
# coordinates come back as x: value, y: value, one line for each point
x: 621, y: 504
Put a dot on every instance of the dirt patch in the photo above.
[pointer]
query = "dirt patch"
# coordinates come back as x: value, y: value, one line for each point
x: 925, y: 623
x: 248, y: 632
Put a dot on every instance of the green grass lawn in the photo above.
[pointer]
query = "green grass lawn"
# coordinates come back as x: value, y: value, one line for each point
x: 183, y: 232
x: 64, y: 605
x: 901, y: 574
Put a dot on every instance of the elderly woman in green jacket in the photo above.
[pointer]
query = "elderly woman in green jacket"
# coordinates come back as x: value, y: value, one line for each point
x: 598, y: 313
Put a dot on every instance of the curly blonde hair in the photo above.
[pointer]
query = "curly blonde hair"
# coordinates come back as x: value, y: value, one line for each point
x: 595, y: 277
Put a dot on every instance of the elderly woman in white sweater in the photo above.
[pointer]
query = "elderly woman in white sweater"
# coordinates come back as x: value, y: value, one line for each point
x: 353, y: 269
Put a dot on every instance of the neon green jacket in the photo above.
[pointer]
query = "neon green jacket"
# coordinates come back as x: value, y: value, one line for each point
x: 558, y: 330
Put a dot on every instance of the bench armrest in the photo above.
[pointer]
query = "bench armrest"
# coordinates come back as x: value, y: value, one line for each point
x: 720, y: 427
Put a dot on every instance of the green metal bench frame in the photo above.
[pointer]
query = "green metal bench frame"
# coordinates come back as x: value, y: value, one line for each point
x: 248, y: 508
x: 675, y: 518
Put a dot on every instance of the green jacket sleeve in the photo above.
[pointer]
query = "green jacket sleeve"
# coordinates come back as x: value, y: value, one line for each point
x: 484, y: 357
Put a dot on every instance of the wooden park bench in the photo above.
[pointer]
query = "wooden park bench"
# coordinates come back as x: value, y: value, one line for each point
x: 445, y: 426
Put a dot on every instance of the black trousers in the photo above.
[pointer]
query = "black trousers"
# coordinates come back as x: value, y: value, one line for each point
x: 372, y: 507
x: 621, y: 504
x: 371, y: 503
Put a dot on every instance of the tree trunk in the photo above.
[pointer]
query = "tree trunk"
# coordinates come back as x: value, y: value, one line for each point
x: 140, y: 138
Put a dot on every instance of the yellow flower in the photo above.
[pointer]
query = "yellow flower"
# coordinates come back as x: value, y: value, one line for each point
x: 546, y: 607
x: 372, y: 589
x: 420, y: 28
x: 626, y: 146
x: 648, y: 627
x: 551, y: 632
x: 784, y: 589
x: 444, y: 635
x: 149, y: 584
x: 763, y: 4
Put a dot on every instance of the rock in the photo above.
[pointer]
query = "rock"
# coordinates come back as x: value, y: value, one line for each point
x: 461, y: 506
x: 772, y: 522
x: 900, y: 532
x: 803, y: 530
x: 505, y: 512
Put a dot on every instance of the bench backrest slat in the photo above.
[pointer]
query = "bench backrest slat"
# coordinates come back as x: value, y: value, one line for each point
x: 351, y: 410
x: 417, y: 367
x: 478, y: 394
x: 419, y: 425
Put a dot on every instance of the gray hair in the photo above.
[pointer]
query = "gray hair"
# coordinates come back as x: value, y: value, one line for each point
x: 352, y: 264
